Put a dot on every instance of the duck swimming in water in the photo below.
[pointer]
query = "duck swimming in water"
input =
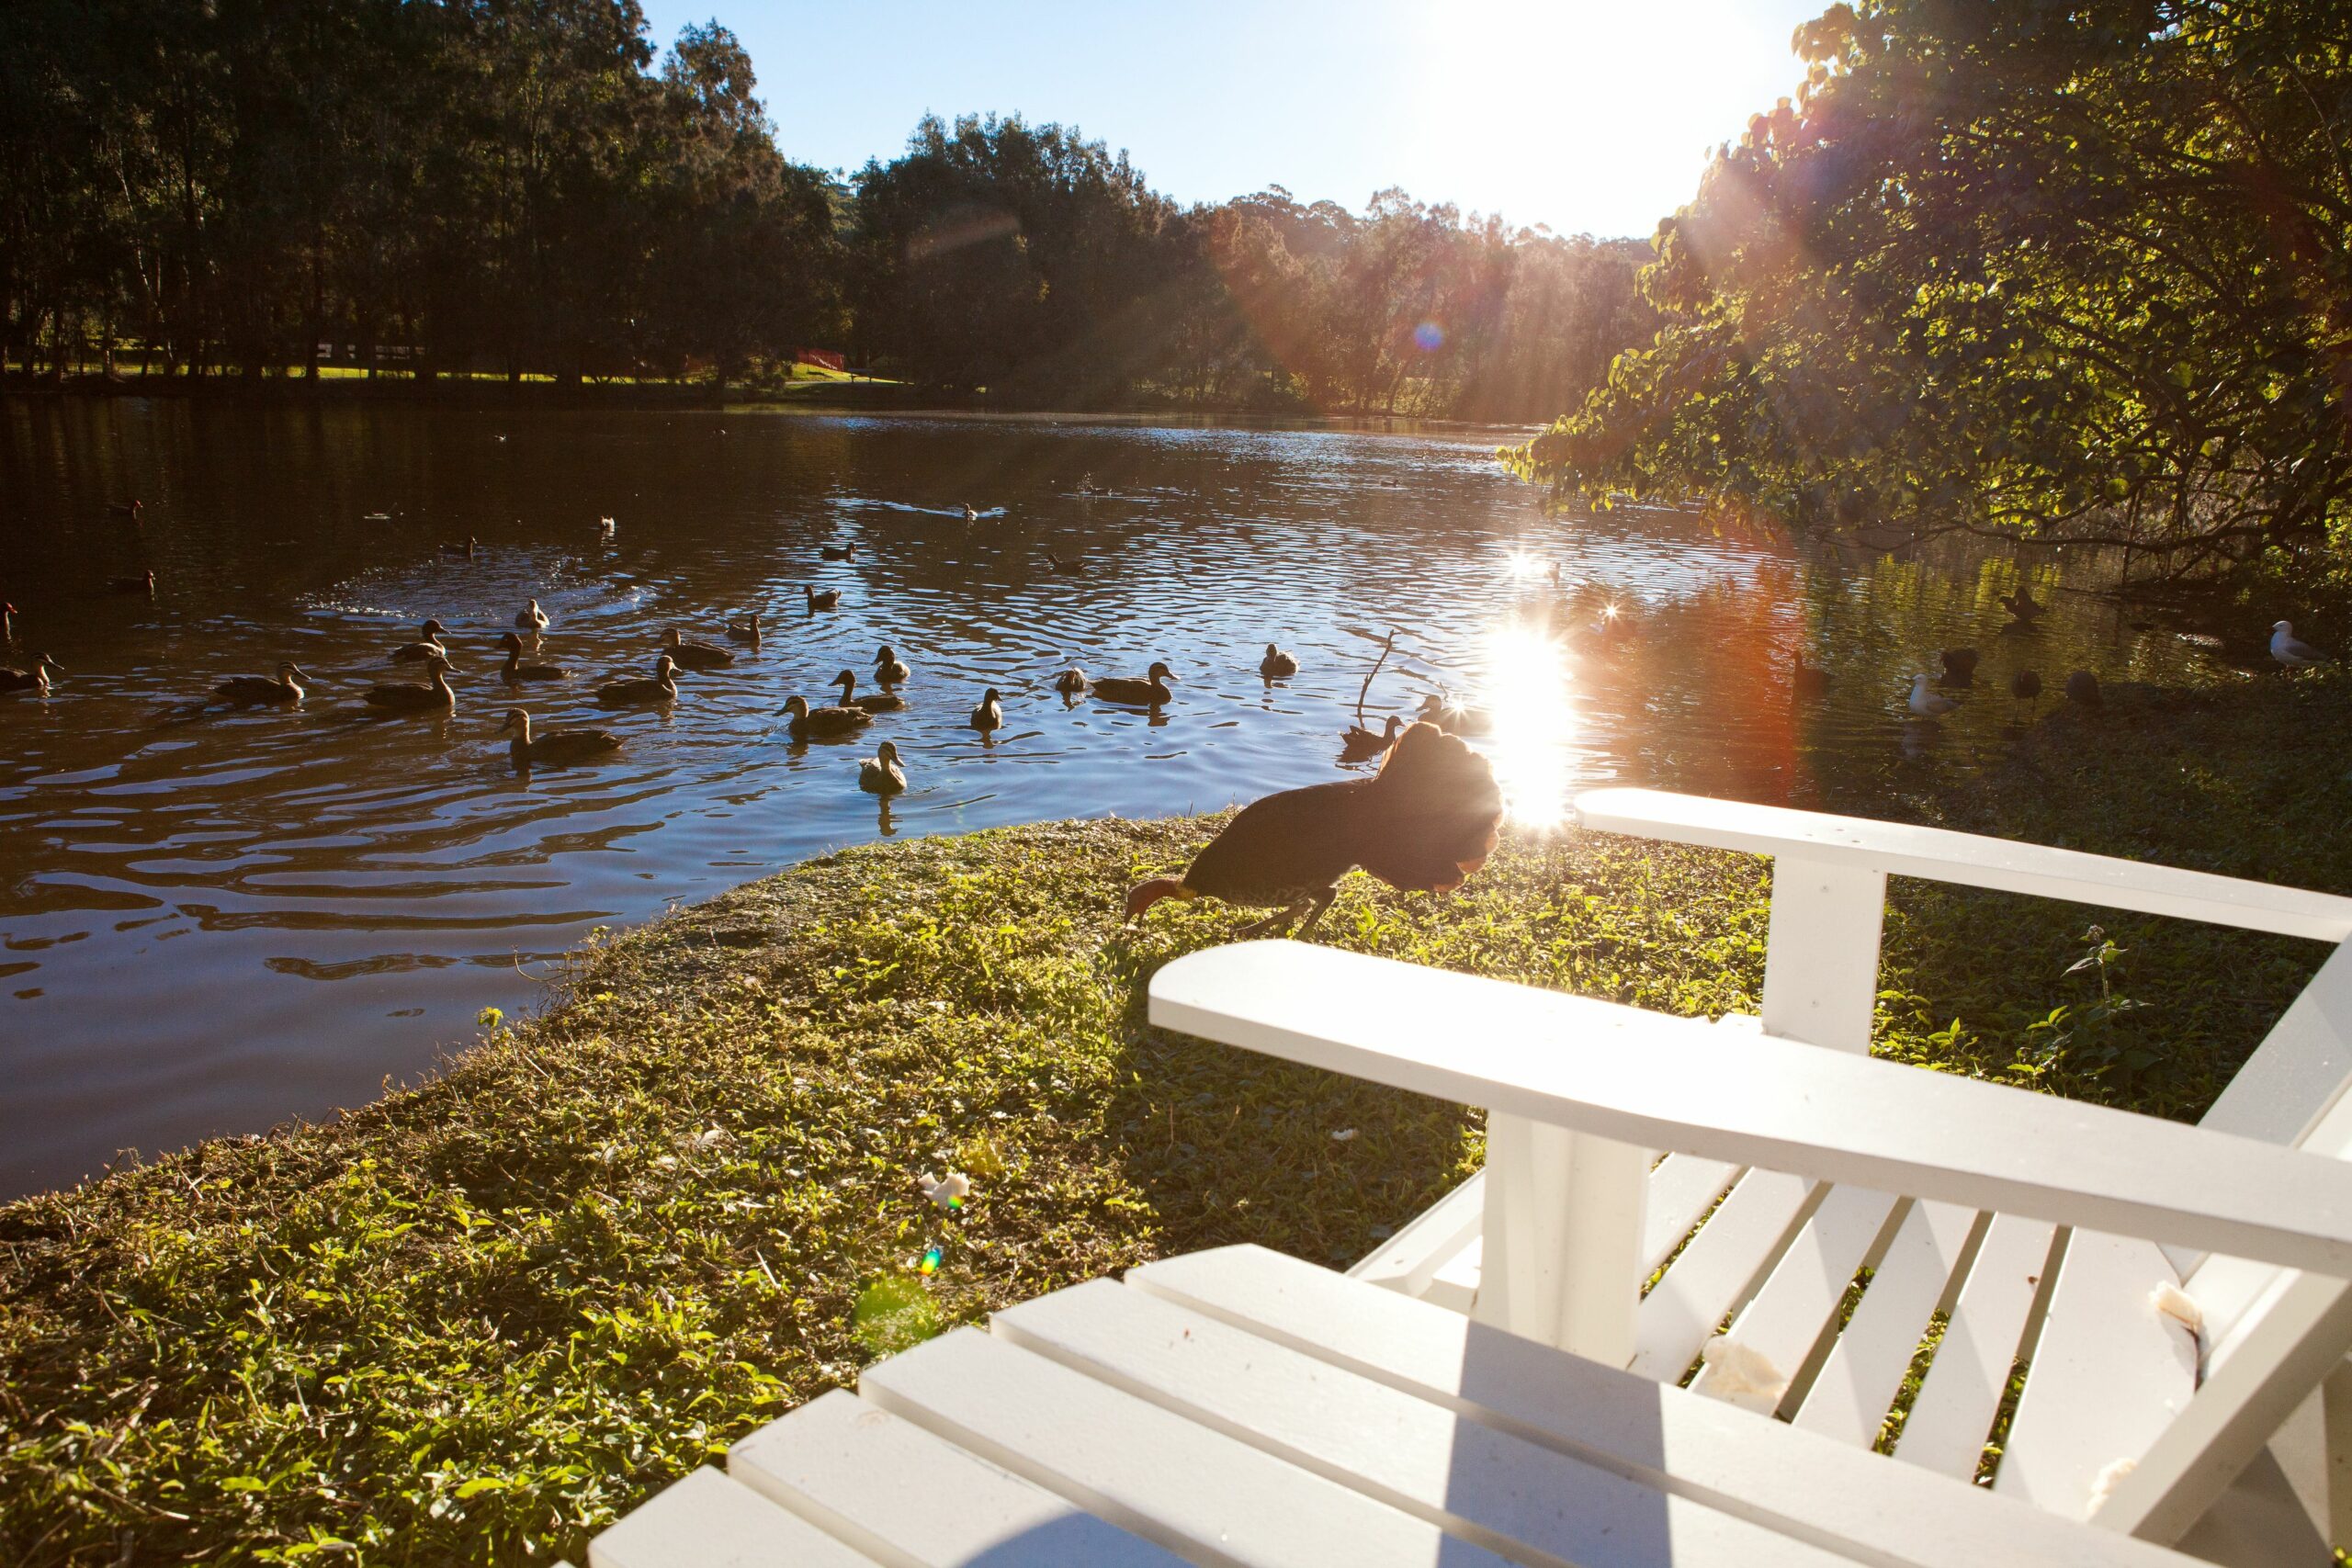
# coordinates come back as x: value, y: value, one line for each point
x: 34, y: 677
x: 434, y: 697
x: 881, y: 701
x: 286, y: 688
x: 531, y: 618
x: 695, y: 654
x: 516, y: 672
x: 881, y: 774
x: 556, y: 749
x: 144, y: 583
x: 1277, y: 665
x: 1072, y: 683
x: 1358, y: 744
x: 465, y: 551
x: 840, y: 552
x: 890, y: 669
x: 661, y: 688
x: 989, y: 718
x: 1452, y: 718
x: 746, y: 630
x: 807, y: 721
x: 830, y: 599
x: 428, y: 645
x: 1149, y: 691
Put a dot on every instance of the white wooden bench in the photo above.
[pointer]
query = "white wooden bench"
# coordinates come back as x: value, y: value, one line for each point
x: 1238, y: 1407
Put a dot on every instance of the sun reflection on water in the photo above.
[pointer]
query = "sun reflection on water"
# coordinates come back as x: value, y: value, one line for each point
x: 1528, y: 688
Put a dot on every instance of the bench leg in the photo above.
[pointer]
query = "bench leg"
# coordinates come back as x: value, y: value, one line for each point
x: 1562, y: 1240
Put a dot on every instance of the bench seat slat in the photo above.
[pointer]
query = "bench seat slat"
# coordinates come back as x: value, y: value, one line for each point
x: 1714, y: 1272
x: 1953, y: 1415
x: 1858, y: 1383
x: 1799, y: 1302
x: 704, y: 1520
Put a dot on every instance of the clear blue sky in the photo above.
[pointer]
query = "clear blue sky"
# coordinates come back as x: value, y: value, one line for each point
x: 1586, y: 114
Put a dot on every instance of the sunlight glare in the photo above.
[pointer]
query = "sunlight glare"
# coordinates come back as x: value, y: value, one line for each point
x: 1535, y: 722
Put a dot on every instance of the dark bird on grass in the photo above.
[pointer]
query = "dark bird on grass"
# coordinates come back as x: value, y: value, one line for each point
x: 1358, y: 744
x: 690, y: 655
x: 830, y: 599
x: 1277, y: 665
x: 1149, y: 691
x: 1072, y: 683
x: 2021, y: 607
x: 1422, y: 823
x: 2025, y: 686
x: 989, y: 718
x: 558, y: 748
x: 465, y: 551
x: 427, y: 646
x: 34, y: 677
x: 2082, y: 686
x: 880, y: 702
x: 286, y: 687
x: 881, y: 774
x: 1452, y: 717
x: 661, y: 688
x: 434, y: 697
x: 839, y: 552
x: 531, y: 618
x: 807, y: 721
x: 130, y: 508
x: 1807, y: 680
x: 1960, y: 667
x: 1069, y: 567
x: 746, y: 630
x: 144, y: 583
x: 890, y: 669
x: 516, y: 672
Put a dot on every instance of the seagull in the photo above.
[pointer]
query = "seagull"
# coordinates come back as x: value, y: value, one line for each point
x: 1927, y: 704
x: 2289, y: 651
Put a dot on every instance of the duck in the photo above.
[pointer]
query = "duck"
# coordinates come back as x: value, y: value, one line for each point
x: 1927, y: 703
x: 989, y: 718
x: 890, y: 669
x: 427, y: 646
x: 881, y: 701
x: 558, y: 748
x: 465, y: 551
x: 605, y: 529
x: 830, y: 599
x: 34, y: 677
x: 840, y: 552
x: 2082, y: 686
x: 531, y: 618
x: 1807, y: 680
x: 2026, y: 687
x: 881, y: 774
x: 517, y: 671
x: 434, y: 697
x: 1072, y: 683
x: 808, y: 721
x: 2291, y: 651
x: 2021, y: 607
x: 1358, y: 744
x: 1452, y: 718
x: 746, y: 630
x: 970, y: 515
x: 695, y: 654
x: 144, y: 583
x: 130, y: 508
x: 1055, y: 562
x: 1960, y: 667
x: 1277, y: 665
x: 661, y: 688
x: 7, y: 623
x: 284, y: 688
x: 1149, y: 691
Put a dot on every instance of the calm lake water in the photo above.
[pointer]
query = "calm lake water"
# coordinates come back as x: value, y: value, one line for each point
x: 213, y: 922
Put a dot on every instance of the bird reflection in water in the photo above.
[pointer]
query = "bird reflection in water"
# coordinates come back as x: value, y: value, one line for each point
x: 1527, y: 692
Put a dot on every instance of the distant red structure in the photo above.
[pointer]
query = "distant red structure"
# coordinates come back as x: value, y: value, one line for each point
x: 824, y: 356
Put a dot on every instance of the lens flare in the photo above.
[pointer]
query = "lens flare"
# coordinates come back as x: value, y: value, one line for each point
x: 929, y: 1264
x: 1430, y: 337
x: 1535, y: 723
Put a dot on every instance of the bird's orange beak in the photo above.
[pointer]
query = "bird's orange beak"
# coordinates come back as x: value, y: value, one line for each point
x: 1146, y: 893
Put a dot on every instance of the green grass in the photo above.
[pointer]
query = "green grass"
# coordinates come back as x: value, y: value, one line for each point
x: 476, y: 1321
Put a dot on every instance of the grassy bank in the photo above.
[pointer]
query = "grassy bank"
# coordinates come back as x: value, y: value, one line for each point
x: 474, y: 1321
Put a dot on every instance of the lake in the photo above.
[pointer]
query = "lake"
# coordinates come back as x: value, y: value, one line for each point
x: 212, y: 919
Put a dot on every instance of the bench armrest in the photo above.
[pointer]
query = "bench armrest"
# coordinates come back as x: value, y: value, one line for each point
x: 1940, y: 854
x: 1653, y: 1081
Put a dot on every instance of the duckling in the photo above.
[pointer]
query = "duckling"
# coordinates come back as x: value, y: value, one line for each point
x: 1277, y: 665
x: 695, y: 654
x: 830, y: 599
x: 434, y: 696
x: 661, y: 688
x: 840, y: 552
x: 558, y: 748
x: 808, y: 721
x: 1072, y: 683
x: 144, y: 583
x: 1454, y: 718
x: 531, y: 618
x: 33, y: 678
x: 1357, y: 743
x: 890, y: 669
x: 465, y: 551
x: 881, y: 774
x: 427, y: 646
x: 517, y: 671
x: 286, y: 688
x: 883, y: 701
x: 747, y: 630
x: 1150, y: 692
x: 989, y: 718
x: 1068, y: 568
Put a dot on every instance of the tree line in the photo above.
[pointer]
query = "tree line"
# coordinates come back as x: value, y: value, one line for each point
x: 228, y: 188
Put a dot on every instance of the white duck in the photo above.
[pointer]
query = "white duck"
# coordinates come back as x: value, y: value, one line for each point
x: 1927, y: 703
x: 2289, y: 650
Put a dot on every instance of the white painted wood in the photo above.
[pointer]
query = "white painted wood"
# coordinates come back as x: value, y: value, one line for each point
x: 909, y: 1498
x: 1953, y: 1415
x: 1563, y: 1237
x: 1941, y: 855
x: 704, y: 1520
x: 1152, y: 1473
x: 1742, y: 1463
x: 1408, y: 1260
x: 1455, y: 1286
x: 2109, y: 1373
x: 1821, y: 955
x: 1525, y: 1500
x: 1682, y: 1189
x: 1798, y: 1303
x: 1653, y: 1082
x: 1850, y: 1399
x: 2298, y: 1073
x: 1716, y: 1272
x: 2337, y: 1414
